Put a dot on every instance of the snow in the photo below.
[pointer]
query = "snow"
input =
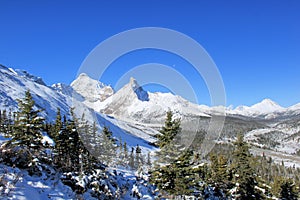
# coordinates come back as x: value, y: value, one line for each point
x: 132, y: 103
x: 92, y: 90
x: 265, y: 107
x: 13, y: 87
x: 134, y: 115
x: 3, y: 139
x: 21, y: 186
x: 47, y: 139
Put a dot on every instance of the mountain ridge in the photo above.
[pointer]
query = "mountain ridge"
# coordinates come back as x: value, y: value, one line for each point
x: 265, y: 109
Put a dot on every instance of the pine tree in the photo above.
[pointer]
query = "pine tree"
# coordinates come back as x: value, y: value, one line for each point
x: 94, y: 132
x: 243, y: 172
x: 106, y: 148
x: 138, y: 158
x: 75, y: 144
x: 56, y: 127
x: 149, y: 164
x: 131, y: 159
x: 284, y: 188
x: 169, y: 150
x: 184, y: 176
x: 28, y: 126
x: 175, y: 178
x: 219, y: 175
x: 169, y: 130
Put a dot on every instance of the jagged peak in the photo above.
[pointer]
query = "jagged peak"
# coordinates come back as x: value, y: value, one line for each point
x: 91, y: 89
x: 26, y: 74
x: 141, y: 94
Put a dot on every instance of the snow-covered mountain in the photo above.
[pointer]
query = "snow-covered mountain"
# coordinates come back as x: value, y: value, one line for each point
x: 131, y: 103
x: 265, y: 108
x: 13, y: 86
x: 266, y: 124
x: 92, y: 90
x: 136, y: 115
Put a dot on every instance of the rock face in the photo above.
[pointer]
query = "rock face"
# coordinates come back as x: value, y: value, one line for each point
x: 92, y: 90
x: 133, y: 103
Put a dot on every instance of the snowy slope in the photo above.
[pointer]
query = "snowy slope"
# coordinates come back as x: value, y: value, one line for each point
x: 135, y: 115
x: 131, y: 103
x: 264, y: 108
x: 24, y: 187
x: 13, y: 86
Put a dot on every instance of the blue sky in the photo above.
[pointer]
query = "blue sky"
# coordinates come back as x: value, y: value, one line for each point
x: 255, y: 44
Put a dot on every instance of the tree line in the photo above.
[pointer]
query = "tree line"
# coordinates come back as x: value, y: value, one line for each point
x: 179, y: 172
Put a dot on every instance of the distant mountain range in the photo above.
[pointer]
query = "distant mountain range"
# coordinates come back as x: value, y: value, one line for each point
x: 135, y: 115
x: 132, y: 102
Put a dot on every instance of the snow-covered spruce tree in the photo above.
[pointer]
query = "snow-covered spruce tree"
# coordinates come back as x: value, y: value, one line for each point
x: 5, y: 123
x: 169, y: 130
x: 138, y: 157
x: 172, y: 173
x: 106, y: 148
x: 175, y: 179
x: 58, y: 125
x: 28, y: 125
x: 284, y: 188
x: 244, y: 175
x: 68, y: 145
x: 219, y: 178
x: 169, y: 133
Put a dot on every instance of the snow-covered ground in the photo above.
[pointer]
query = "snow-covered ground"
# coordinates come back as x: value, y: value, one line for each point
x: 288, y: 159
x: 19, y: 185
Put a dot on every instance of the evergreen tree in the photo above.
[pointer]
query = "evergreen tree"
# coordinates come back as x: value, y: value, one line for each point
x: 169, y: 130
x: 149, y: 164
x: 284, y: 188
x: 244, y: 175
x: 4, y: 123
x: 58, y: 123
x: 28, y: 126
x: 169, y: 150
x: 175, y: 178
x: 94, y: 132
x: 219, y: 175
x: 131, y: 159
x: 184, y: 175
x: 106, y: 148
x: 138, y: 157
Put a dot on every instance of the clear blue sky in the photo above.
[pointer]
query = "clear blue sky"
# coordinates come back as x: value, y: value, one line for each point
x: 255, y: 44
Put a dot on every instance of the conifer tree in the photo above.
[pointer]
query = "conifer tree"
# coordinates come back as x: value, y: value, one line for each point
x: 28, y: 126
x: 131, y: 159
x: 106, y: 148
x: 184, y: 175
x: 94, y: 132
x: 138, y: 158
x: 4, y: 123
x: 169, y: 150
x: 149, y: 160
x: 169, y: 130
x: 175, y: 178
x: 125, y: 151
x: 284, y: 188
x: 243, y: 173
x: 219, y: 175
x: 56, y: 127
x: 288, y: 190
